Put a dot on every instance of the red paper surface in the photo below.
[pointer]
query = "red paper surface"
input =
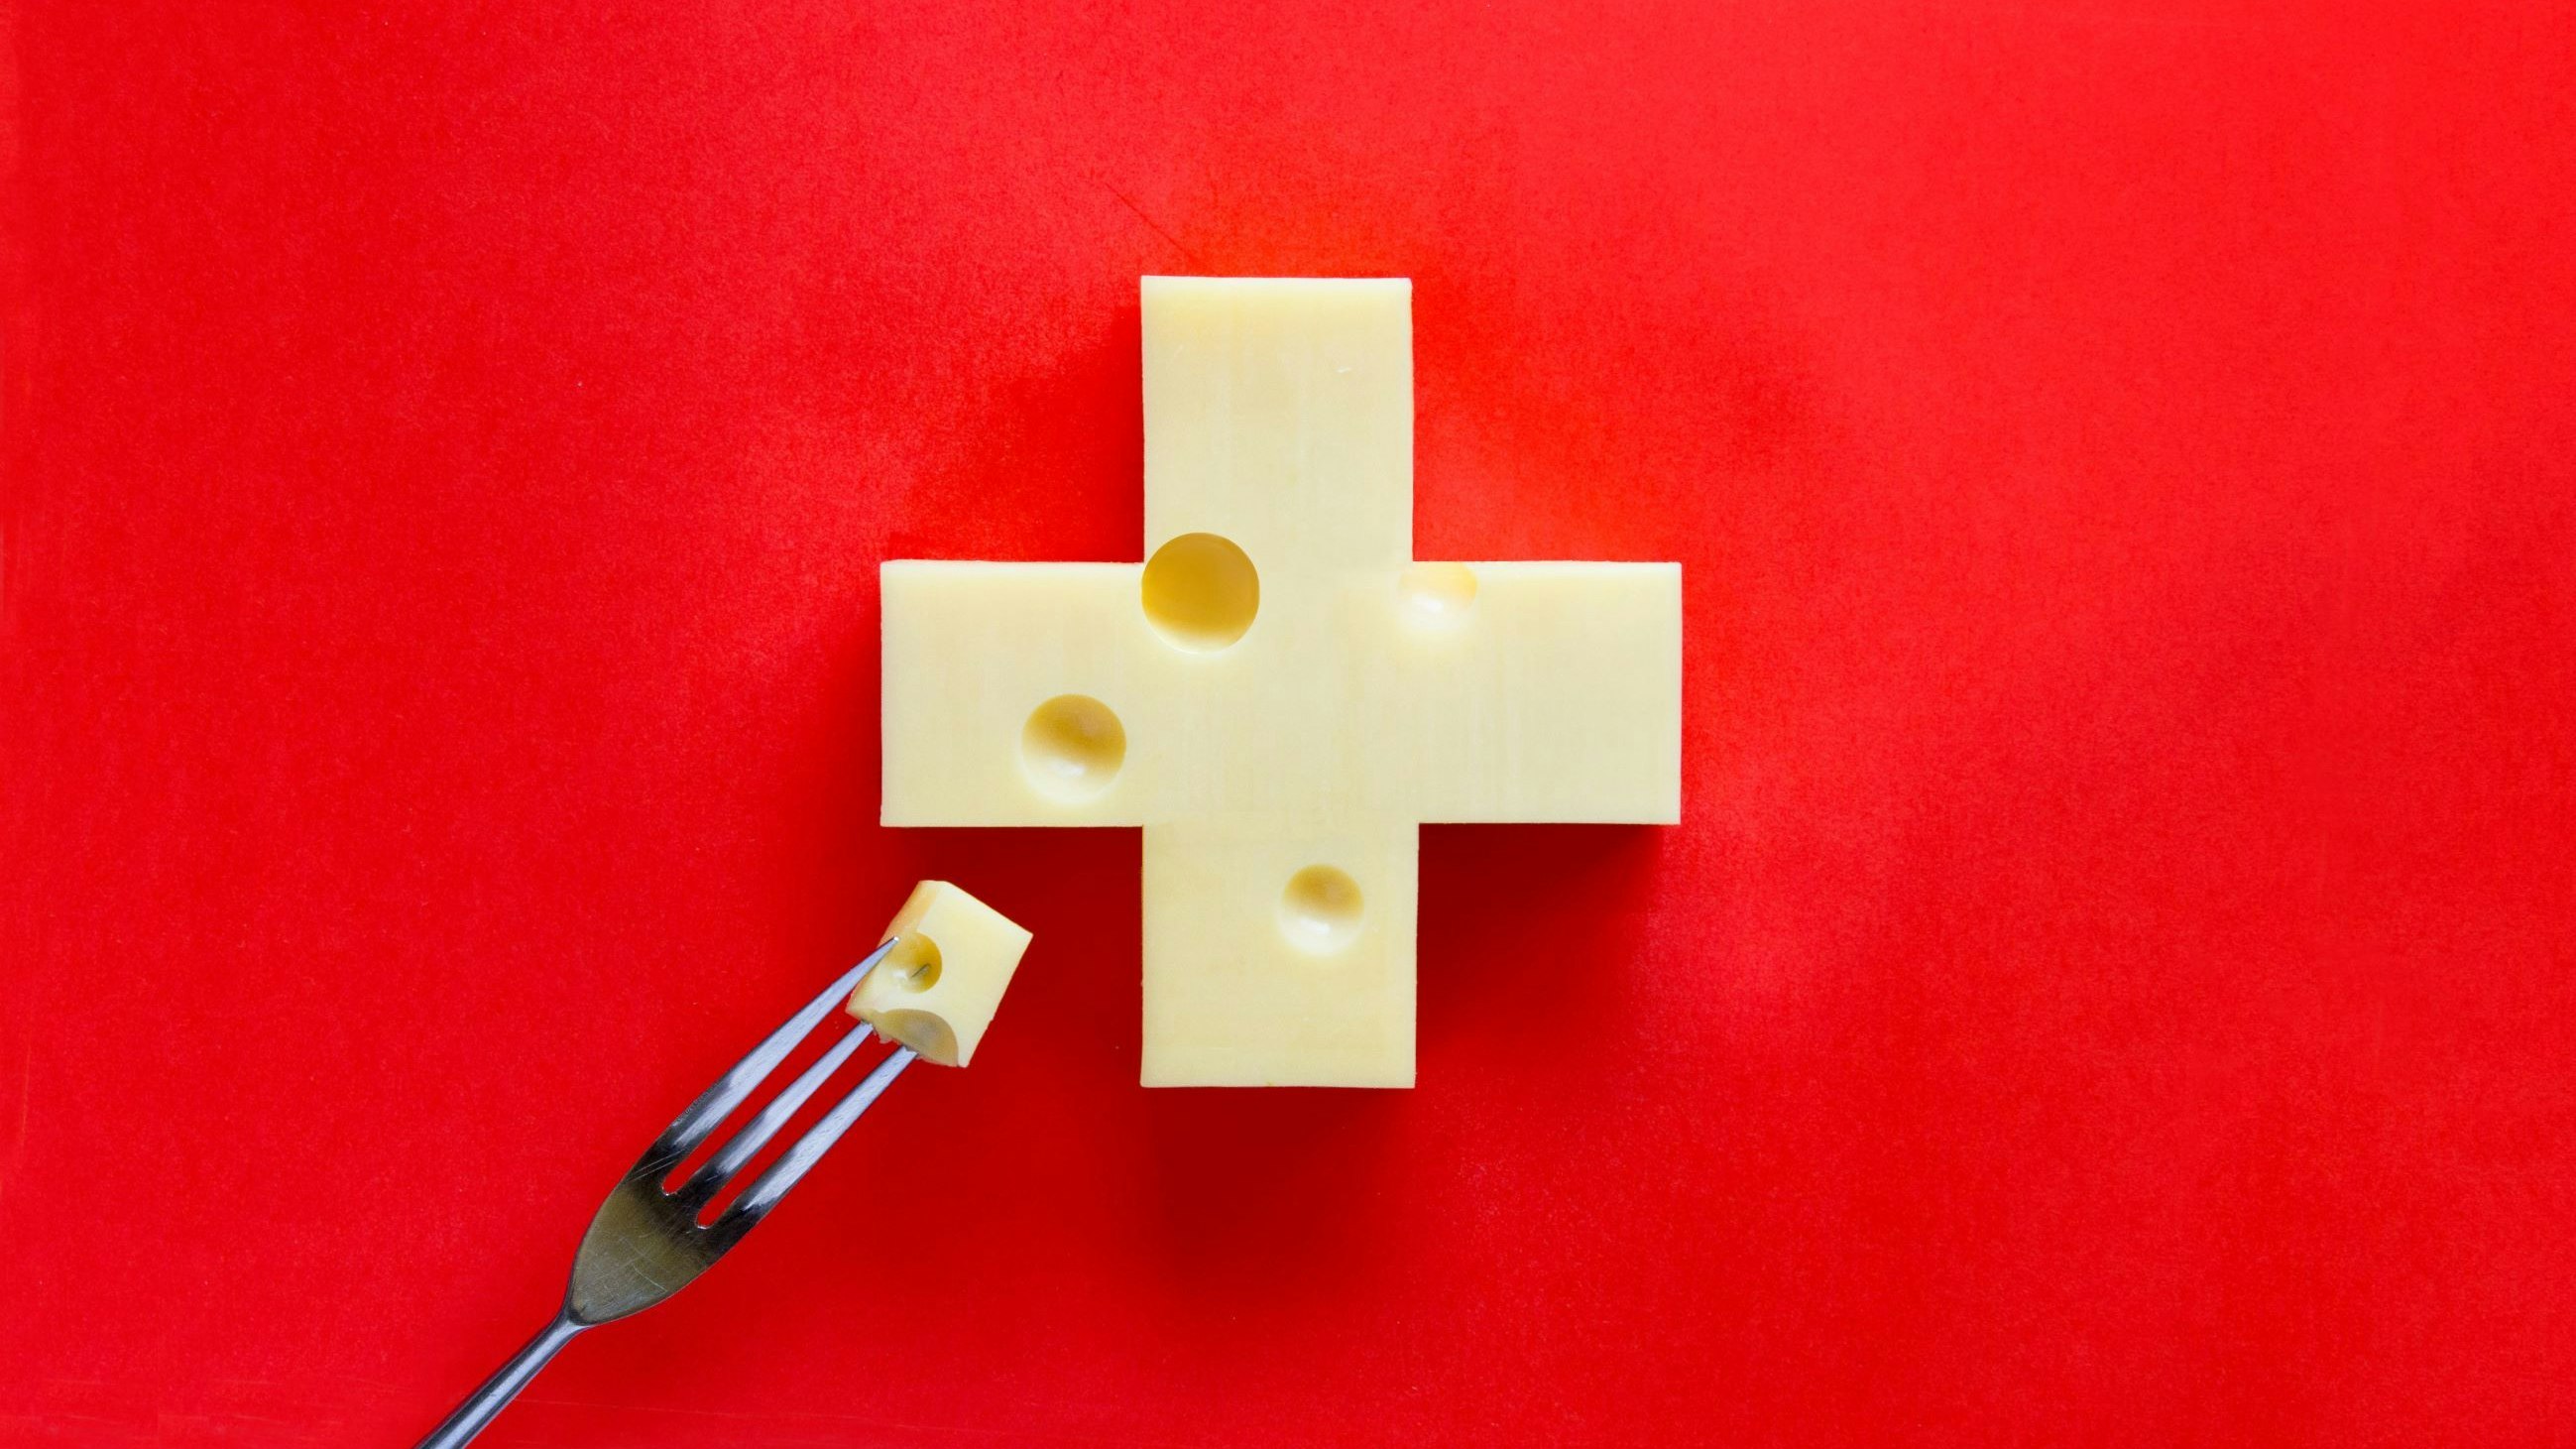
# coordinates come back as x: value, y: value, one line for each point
x: 2115, y: 982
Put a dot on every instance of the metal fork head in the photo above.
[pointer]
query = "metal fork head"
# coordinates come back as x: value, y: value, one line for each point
x: 646, y: 1243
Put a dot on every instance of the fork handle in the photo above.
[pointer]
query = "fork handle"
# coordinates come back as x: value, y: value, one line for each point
x: 504, y: 1385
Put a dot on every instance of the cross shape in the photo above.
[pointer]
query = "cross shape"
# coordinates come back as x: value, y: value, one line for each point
x: 1280, y: 695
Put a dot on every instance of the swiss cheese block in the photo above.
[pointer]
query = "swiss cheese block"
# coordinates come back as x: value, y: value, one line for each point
x: 1280, y: 695
x: 937, y: 989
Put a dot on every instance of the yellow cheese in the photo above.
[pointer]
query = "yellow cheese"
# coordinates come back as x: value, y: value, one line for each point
x: 1280, y: 695
x: 936, y: 991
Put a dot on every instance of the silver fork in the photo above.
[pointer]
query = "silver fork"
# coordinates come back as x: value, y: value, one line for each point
x: 646, y: 1244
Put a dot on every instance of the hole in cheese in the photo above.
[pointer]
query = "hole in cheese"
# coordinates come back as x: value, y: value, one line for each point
x: 1320, y: 911
x: 927, y: 1035
x: 1436, y: 595
x: 1201, y: 592
x: 913, y: 964
x: 1071, y: 747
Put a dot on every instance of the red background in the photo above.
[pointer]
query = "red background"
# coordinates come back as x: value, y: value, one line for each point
x: 2115, y: 982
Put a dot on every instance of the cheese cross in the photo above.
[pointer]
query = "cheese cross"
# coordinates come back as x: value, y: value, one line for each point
x: 1280, y: 696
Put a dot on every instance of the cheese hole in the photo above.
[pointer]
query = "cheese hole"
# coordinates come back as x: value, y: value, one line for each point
x: 930, y: 1038
x: 1320, y: 910
x: 1436, y: 595
x: 1071, y: 747
x: 914, y: 962
x: 1201, y: 592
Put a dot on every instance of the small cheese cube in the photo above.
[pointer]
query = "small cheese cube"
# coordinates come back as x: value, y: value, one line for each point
x: 936, y: 991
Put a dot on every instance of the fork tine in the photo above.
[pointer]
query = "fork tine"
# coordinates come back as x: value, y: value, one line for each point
x: 773, y: 1182
x: 718, y: 1170
x: 718, y: 1102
